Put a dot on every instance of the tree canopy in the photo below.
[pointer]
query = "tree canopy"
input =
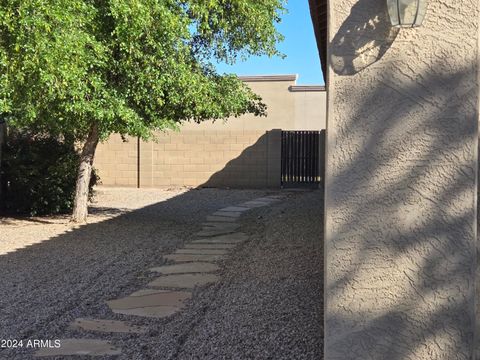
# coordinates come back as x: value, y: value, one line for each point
x: 128, y: 66
x: 89, y: 68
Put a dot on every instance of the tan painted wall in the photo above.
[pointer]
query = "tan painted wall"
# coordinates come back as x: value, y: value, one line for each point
x: 116, y: 161
x: 401, y: 183
x: 241, y: 152
x: 310, y: 110
x: 288, y: 108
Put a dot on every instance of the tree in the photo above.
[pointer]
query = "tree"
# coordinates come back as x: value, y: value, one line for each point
x: 90, y: 68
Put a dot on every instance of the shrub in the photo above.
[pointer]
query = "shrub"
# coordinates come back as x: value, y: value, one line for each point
x: 39, y: 174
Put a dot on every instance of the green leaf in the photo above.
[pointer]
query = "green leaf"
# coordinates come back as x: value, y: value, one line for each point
x: 130, y: 66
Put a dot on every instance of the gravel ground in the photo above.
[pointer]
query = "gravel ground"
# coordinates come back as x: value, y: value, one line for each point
x: 267, y: 306
x: 17, y: 233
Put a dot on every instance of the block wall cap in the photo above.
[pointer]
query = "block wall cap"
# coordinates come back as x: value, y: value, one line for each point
x: 258, y: 78
x: 306, y: 88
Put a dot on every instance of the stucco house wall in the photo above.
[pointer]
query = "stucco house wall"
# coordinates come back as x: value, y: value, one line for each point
x: 240, y: 152
x: 400, y: 242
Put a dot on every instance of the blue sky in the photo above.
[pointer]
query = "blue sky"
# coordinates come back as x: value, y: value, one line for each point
x: 299, y: 46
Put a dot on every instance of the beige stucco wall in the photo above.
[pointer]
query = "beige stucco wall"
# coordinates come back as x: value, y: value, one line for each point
x: 239, y: 152
x: 401, y: 183
x: 310, y: 108
x: 289, y: 107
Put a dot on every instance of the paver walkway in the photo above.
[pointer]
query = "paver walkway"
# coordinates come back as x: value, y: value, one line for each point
x: 196, y: 264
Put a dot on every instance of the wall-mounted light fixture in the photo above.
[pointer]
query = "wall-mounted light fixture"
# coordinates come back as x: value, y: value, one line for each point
x: 407, y: 13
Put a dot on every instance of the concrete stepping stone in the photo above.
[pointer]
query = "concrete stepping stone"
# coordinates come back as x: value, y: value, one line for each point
x: 254, y: 204
x: 210, y: 246
x: 214, y: 232
x: 202, y: 251
x: 108, y: 326
x: 197, y: 267
x: 275, y: 197
x: 267, y: 200
x: 187, y: 281
x: 235, y: 209
x: 232, y: 214
x: 71, y: 347
x: 232, y: 238
x: 228, y: 219
x: 222, y: 228
x: 220, y: 225
x: 194, y: 257
x: 151, y: 304
x: 144, y: 292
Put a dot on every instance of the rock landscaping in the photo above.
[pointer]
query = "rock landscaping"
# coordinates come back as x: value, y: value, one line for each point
x: 139, y: 282
x: 189, y: 273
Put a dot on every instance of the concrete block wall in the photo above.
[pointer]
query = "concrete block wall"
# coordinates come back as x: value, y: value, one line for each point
x: 236, y: 158
x: 116, y: 161
x: 240, y: 152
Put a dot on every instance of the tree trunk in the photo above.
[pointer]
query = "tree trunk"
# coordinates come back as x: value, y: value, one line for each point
x: 80, y: 206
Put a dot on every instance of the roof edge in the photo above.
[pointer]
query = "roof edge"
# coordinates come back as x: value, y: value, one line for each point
x: 306, y: 88
x: 258, y: 78
x: 319, y: 15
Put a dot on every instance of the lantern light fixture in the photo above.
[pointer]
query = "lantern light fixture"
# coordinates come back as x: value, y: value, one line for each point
x: 406, y: 13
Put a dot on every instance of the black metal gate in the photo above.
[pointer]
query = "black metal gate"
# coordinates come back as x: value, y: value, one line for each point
x: 301, y: 155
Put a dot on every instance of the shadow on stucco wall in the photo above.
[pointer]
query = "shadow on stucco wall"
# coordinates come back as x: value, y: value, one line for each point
x: 411, y: 284
x: 363, y: 38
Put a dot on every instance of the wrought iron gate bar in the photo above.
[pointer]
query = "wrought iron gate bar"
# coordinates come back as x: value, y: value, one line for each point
x: 300, y: 157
